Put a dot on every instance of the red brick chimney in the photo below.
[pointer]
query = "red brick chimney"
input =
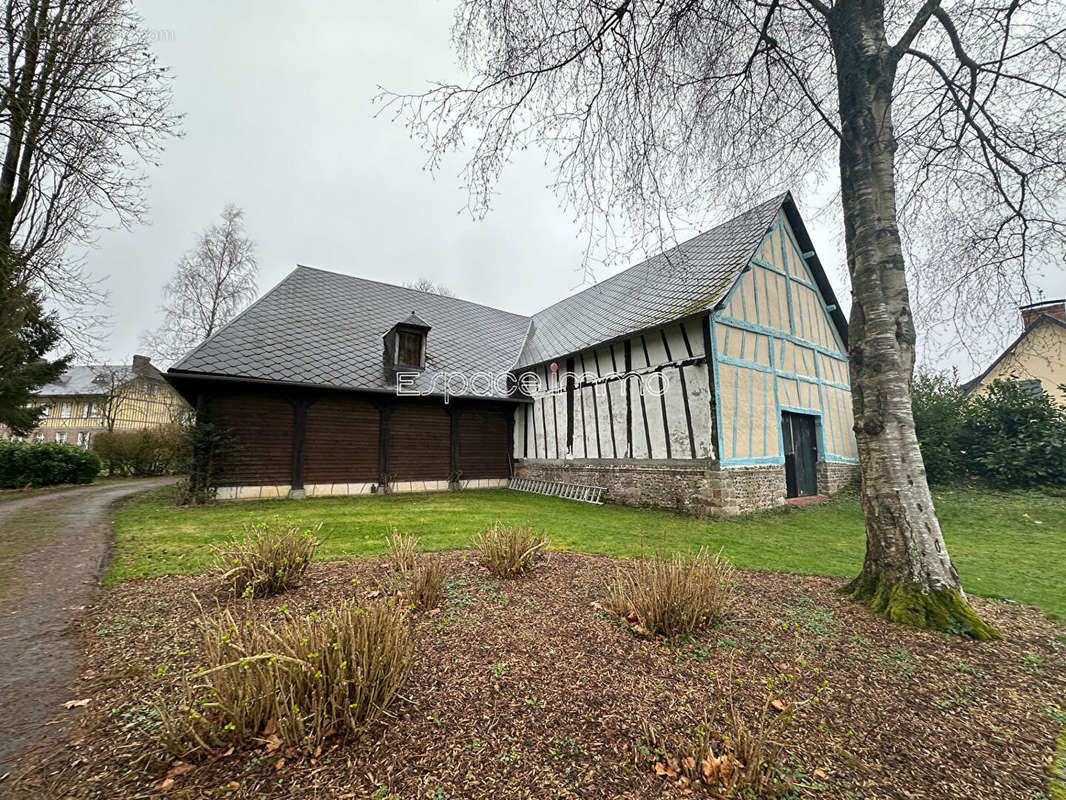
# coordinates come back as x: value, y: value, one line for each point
x: 1053, y: 308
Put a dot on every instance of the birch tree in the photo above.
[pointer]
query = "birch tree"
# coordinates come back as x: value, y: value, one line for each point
x: 941, y: 120
x: 213, y: 283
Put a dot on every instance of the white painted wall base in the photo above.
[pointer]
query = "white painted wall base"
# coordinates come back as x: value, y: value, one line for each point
x: 352, y: 489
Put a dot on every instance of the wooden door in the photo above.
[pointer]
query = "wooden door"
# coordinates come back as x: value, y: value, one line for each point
x: 801, y: 454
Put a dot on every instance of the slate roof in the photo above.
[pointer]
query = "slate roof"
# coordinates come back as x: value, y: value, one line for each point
x: 81, y: 380
x: 319, y: 328
x: 692, y: 277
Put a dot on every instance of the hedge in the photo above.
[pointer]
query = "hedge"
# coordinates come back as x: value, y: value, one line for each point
x: 45, y: 464
x: 151, y: 451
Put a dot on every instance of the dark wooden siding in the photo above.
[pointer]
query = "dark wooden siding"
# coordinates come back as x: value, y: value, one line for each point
x: 342, y: 441
x: 484, y: 444
x: 419, y: 442
x: 342, y: 436
x: 260, y: 452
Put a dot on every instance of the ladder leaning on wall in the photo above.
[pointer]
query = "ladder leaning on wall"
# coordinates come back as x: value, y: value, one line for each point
x: 568, y: 491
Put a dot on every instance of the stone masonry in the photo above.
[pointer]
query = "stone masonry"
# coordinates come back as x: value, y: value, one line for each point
x: 701, y: 488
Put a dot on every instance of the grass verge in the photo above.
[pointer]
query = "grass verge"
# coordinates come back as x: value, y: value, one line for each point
x: 1005, y: 544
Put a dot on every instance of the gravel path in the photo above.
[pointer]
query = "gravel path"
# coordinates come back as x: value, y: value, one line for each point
x: 47, y: 588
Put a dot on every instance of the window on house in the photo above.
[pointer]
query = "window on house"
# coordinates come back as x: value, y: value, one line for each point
x: 90, y: 410
x: 39, y: 437
x: 47, y: 411
x: 409, y: 346
x: 1031, y: 387
x: 66, y: 410
x: 61, y: 437
x: 84, y: 438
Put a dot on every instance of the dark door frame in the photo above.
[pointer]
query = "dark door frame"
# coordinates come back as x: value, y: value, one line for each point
x: 799, y: 432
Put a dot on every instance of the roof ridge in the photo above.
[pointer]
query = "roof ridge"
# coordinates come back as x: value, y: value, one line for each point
x: 777, y: 200
x: 409, y: 289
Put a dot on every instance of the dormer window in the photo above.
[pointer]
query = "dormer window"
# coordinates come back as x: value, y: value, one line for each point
x: 409, y: 349
x: 405, y: 344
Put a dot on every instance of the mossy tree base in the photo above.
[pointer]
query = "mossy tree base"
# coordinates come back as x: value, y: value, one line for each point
x: 909, y: 603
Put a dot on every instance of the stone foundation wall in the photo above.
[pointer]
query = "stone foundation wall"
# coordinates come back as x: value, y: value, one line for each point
x: 689, y: 487
x: 753, y: 488
x: 700, y: 488
x: 834, y: 476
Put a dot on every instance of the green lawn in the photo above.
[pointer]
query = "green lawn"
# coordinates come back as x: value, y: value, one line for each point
x: 1005, y: 544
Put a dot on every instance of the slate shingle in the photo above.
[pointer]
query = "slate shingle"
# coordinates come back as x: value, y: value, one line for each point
x: 324, y: 329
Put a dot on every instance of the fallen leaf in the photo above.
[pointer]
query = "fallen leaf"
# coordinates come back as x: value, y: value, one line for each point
x: 77, y: 703
x: 271, y: 727
x: 660, y: 769
x: 433, y: 612
x: 279, y: 763
x: 690, y: 763
x: 820, y: 774
x: 165, y: 785
x: 179, y: 768
x: 777, y: 705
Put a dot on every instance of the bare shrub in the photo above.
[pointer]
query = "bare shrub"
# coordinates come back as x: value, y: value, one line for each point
x: 269, y: 558
x: 739, y: 749
x: 402, y: 550
x: 294, y: 682
x: 510, y: 550
x: 672, y: 596
x: 425, y: 583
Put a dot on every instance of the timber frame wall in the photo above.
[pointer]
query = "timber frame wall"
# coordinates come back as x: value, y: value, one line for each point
x: 300, y: 442
x: 773, y: 348
x: 605, y: 403
x: 776, y: 349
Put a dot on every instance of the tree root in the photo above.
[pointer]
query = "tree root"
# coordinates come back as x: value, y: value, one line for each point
x: 909, y: 603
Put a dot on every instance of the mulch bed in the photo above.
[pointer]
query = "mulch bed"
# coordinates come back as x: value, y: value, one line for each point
x: 527, y: 689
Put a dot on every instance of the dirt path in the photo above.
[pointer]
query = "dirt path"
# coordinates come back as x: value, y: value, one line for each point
x: 52, y: 547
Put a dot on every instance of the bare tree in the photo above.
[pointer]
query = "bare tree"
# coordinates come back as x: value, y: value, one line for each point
x: 937, y: 118
x: 214, y: 282
x: 426, y: 285
x: 83, y: 108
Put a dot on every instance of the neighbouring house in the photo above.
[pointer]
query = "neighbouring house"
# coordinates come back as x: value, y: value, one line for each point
x: 712, y: 378
x: 1037, y: 358
x: 88, y: 399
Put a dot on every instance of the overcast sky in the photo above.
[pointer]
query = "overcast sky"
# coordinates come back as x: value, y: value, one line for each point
x: 279, y: 119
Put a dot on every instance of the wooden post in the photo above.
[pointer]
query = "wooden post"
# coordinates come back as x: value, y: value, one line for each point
x: 509, y: 412
x: 299, y: 442
x: 709, y: 355
x: 570, y: 406
x: 629, y: 399
x: 453, y: 437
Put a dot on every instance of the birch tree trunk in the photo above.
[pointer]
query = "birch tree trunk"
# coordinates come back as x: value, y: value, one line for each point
x: 907, y: 576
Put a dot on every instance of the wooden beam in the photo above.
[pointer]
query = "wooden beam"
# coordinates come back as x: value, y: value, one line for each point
x: 628, y: 350
x: 300, y: 405
x: 453, y: 444
x: 384, y: 412
x: 569, y: 405
x: 712, y: 387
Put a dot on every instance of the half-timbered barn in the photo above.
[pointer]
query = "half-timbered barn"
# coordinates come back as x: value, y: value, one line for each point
x: 712, y: 378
